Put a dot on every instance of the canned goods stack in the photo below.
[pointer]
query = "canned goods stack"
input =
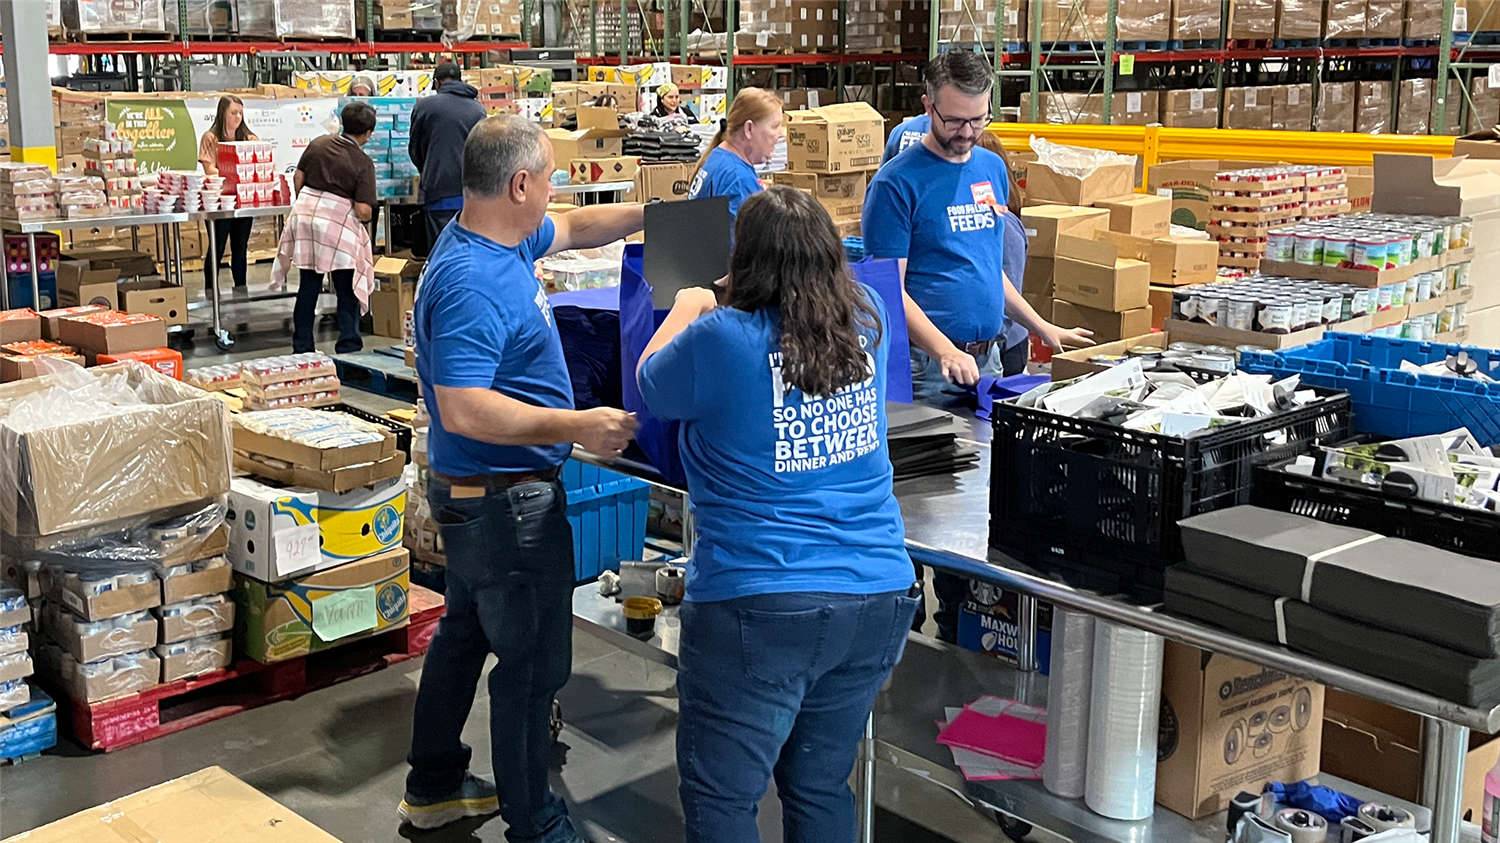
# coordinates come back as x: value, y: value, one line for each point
x: 1272, y: 305
x: 1370, y: 242
x: 1249, y: 204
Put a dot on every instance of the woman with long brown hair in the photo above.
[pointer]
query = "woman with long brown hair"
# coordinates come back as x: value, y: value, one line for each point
x: 746, y: 138
x: 228, y: 125
x: 799, y: 589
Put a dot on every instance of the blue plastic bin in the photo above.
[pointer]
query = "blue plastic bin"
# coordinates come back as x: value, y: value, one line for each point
x: 31, y: 727
x: 1387, y: 401
x: 607, y: 511
x: 20, y: 290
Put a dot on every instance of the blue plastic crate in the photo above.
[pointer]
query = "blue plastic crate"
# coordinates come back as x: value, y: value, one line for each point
x: 607, y: 511
x: 1387, y: 401
x: 20, y: 290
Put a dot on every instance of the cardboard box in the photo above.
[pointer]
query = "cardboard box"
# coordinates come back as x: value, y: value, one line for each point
x: 1227, y: 726
x: 1204, y: 334
x: 65, y: 672
x: 177, y: 443
x: 1196, y: 20
x: 19, y: 325
x: 337, y: 480
x: 193, y: 620
x: 154, y: 297
x: 603, y: 170
x: 1196, y: 108
x: 835, y: 138
x: 165, y: 360
x: 848, y: 187
x: 1249, y: 108
x: 279, y: 533
x: 667, y: 182
x: 113, y: 338
x: 1252, y: 20
x: 1107, y: 326
x: 1190, y: 184
x: 598, y: 136
x: 394, y: 294
x: 1067, y: 365
x: 15, y: 368
x: 59, y: 624
x: 1161, y: 305
x: 1043, y: 184
x: 50, y: 318
x: 1044, y: 224
x: 322, y: 610
x: 1292, y: 108
x: 128, y: 262
x: 1299, y: 19
x: 1336, y: 106
x: 65, y: 588
x: 79, y: 284
x: 1037, y: 285
x: 1091, y: 273
x: 1141, y: 215
x: 204, y: 658
x: 215, y: 580
x: 1372, y: 107
x: 209, y: 806
x: 1175, y: 261
x: 320, y: 459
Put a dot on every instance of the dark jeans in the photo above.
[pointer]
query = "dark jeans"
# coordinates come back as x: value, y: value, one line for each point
x: 436, y: 222
x: 952, y: 590
x: 237, y: 234
x: 510, y: 593
x: 780, y: 685
x: 306, y: 311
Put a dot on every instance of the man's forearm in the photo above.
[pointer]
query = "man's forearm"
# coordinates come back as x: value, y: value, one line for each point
x: 489, y: 416
x: 599, y: 225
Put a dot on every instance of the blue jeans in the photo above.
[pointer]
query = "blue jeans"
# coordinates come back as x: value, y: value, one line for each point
x: 509, y: 592
x: 780, y: 685
x: 305, y: 311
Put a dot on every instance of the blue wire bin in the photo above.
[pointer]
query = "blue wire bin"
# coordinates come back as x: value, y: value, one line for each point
x: 607, y: 511
x: 1387, y: 401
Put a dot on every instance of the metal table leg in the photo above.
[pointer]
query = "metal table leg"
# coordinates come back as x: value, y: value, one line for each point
x: 1431, y: 760
x: 1447, y: 802
x: 222, y: 338
x: 867, y: 782
x: 177, y: 266
x: 689, y: 529
x: 1026, y: 610
x: 36, y: 281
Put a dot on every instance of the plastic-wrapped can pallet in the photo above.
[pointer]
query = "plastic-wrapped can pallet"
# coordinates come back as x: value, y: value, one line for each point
x: 1065, y: 765
x: 1124, y: 703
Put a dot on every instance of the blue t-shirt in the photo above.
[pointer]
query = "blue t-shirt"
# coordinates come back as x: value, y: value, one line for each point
x: 790, y: 493
x: 945, y: 220
x: 725, y: 174
x: 1015, y: 270
x: 483, y: 320
x: 909, y: 133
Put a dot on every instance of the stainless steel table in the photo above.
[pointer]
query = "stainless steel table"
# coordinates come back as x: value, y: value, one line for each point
x: 222, y: 337
x: 947, y: 526
x: 595, y: 190
x: 164, y: 223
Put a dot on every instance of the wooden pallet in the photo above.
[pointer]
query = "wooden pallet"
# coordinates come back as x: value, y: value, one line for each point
x: 173, y: 706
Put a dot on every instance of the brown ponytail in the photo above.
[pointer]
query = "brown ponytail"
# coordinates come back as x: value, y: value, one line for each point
x: 788, y: 255
x: 750, y: 105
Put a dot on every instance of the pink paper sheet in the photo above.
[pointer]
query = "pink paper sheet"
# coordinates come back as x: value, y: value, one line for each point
x: 1006, y: 737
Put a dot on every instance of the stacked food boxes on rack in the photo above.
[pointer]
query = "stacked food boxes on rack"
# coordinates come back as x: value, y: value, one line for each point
x: 248, y: 169
x: 85, y: 335
x: 15, y: 657
x: 1248, y: 204
x: 831, y: 153
x: 316, y: 531
x: 270, y: 383
x: 112, y: 160
x: 27, y: 193
x: 389, y: 146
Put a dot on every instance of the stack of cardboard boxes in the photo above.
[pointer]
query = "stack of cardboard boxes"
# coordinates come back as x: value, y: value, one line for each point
x: 634, y: 87
x: 594, y: 152
x: 1247, y: 204
x: 482, y: 18
x: 315, y: 532
x: 513, y: 89
x: 145, y: 604
x: 804, y: 26
x: 974, y: 21
x: 888, y: 25
x: 831, y: 152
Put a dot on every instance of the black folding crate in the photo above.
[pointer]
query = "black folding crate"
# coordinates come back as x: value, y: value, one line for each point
x: 1472, y: 532
x: 1089, y: 494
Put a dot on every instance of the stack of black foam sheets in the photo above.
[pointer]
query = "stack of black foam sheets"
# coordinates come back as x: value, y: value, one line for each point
x: 1398, y: 610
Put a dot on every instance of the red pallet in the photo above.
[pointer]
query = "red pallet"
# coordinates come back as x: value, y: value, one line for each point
x: 174, y: 706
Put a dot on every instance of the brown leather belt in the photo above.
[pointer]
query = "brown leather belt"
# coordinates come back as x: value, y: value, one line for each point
x: 978, y: 349
x: 478, y: 484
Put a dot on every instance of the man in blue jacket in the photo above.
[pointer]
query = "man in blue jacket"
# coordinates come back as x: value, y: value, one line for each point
x: 439, y: 126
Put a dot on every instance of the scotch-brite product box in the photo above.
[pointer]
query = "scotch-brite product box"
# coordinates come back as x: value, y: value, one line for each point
x: 321, y: 610
x: 276, y: 533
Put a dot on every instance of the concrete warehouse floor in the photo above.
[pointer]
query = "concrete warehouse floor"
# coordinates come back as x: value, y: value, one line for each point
x: 337, y: 755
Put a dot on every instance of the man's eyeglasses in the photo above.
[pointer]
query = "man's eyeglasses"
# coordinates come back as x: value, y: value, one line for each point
x: 955, y: 123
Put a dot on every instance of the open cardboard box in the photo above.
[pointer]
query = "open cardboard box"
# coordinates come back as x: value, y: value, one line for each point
x: 1071, y: 364
x: 598, y: 136
x: 195, y: 621
x: 57, y: 623
x: 1111, y: 181
x: 1189, y: 184
x: 344, y: 479
x: 80, y: 284
x: 19, y: 325
x: 318, y: 459
x: 203, y: 659
x: 155, y: 297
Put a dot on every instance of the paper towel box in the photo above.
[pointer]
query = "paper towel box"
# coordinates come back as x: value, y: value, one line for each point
x: 1228, y: 725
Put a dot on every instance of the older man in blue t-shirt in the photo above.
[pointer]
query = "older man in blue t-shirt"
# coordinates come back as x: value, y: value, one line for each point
x: 494, y: 379
x: 938, y: 207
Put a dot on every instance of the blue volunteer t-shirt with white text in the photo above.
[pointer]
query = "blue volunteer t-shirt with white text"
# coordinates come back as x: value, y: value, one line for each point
x: 790, y: 493
x: 725, y: 174
x: 909, y: 133
x: 483, y: 320
x: 945, y: 220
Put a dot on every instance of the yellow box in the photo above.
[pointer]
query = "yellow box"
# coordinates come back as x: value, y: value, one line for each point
x: 281, y: 621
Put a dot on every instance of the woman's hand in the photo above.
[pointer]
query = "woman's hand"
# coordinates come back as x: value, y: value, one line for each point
x: 695, y: 301
x: 1056, y: 338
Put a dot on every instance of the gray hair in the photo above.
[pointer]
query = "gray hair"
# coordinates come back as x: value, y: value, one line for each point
x: 499, y: 147
x: 965, y: 70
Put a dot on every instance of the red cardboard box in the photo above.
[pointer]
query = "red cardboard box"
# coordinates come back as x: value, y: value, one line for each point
x: 164, y: 360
